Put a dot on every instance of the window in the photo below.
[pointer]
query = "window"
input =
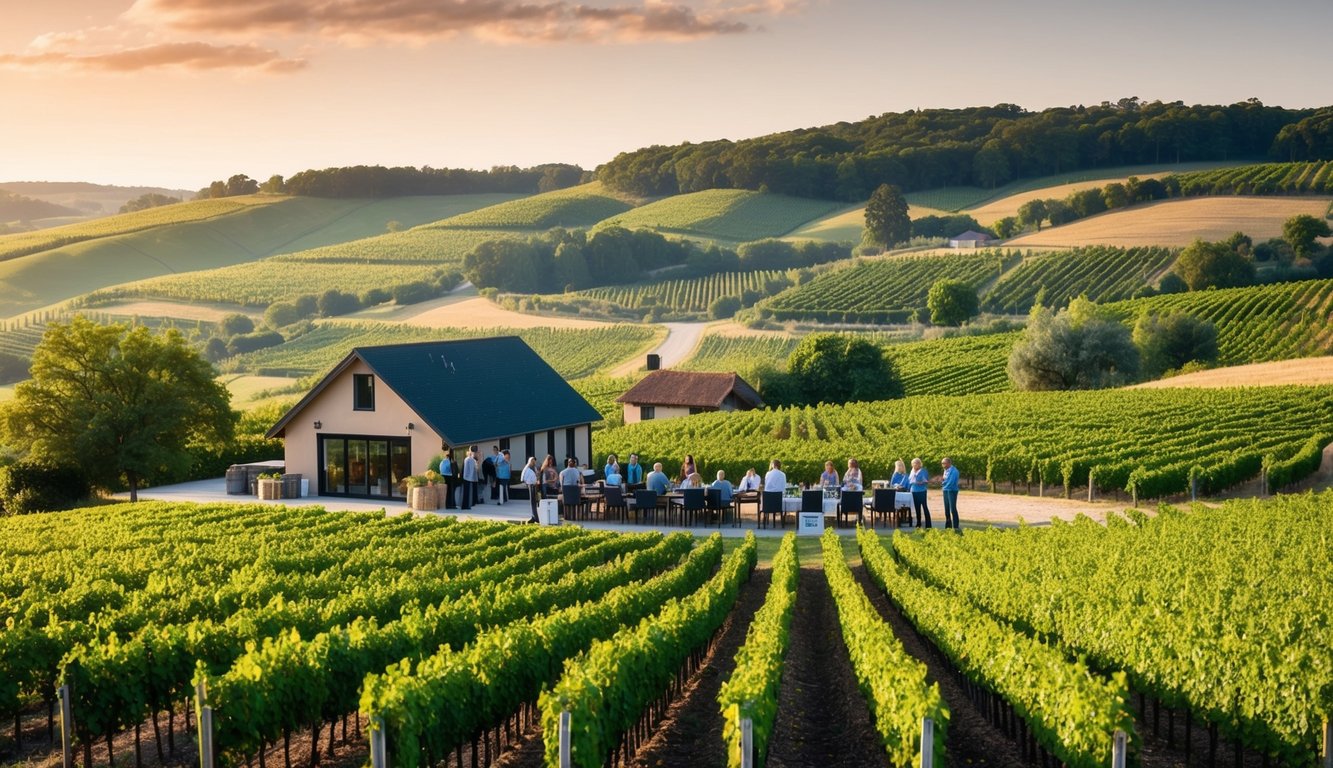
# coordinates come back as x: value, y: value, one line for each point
x: 363, y: 392
x: 694, y: 409
x: 647, y: 412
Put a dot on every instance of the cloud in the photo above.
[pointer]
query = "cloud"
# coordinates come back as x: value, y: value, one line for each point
x: 195, y: 56
x: 426, y: 20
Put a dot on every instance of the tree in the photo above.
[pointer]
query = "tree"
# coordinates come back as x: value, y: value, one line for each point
x: 836, y: 368
x: 116, y: 402
x: 1167, y: 342
x: 991, y: 165
x: 240, y: 184
x: 1031, y: 213
x: 146, y: 201
x: 723, y: 307
x: 1213, y: 265
x: 571, y: 267
x: 334, y: 302
x: 1300, y: 233
x: 274, y: 185
x: 1063, y: 352
x: 235, y: 323
x: 887, y: 222
x: 1006, y: 228
x: 951, y: 302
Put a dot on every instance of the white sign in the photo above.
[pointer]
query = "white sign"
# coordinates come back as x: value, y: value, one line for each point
x: 810, y: 524
x: 548, y: 512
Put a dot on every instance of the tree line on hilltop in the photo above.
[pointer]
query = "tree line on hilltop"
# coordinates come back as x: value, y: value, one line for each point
x: 978, y: 146
x: 377, y: 181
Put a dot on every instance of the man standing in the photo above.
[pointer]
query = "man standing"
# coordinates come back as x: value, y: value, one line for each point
x: 776, y: 479
x: 949, y: 483
x: 657, y: 479
x: 571, y: 475
x: 471, y: 478
x: 503, y: 470
x: 529, y: 478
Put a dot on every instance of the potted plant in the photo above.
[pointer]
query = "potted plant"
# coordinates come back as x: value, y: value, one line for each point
x: 420, y: 495
x: 270, y: 486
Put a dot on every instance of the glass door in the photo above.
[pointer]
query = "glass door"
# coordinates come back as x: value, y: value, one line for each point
x: 357, y: 469
x: 372, y: 467
x: 379, y: 468
x: 400, y: 466
x: 335, y: 465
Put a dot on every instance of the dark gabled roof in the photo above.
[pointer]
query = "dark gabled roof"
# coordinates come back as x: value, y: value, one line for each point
x: 469, y: 389
x: 973, y: 236
x: 690, y: 388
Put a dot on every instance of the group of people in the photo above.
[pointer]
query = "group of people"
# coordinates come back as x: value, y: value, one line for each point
x: 464, y: 480
x: 545, y: 480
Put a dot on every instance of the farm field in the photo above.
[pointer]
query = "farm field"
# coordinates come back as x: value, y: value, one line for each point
x: 236, y: 233
x: 1179, y: 222
x: 1101, y: 274
x: 464, y: 309
x: 675, y: 299
x: 579, y: 206
x: 724, y: 214
x: 895, y: 627
x: 573, y: 352
x: 1307, y: 370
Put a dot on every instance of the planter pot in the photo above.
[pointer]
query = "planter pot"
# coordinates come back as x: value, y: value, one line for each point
x: 421, y: 498
x: 270, y: 489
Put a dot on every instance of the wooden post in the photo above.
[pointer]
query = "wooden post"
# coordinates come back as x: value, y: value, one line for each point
x: 1090, y: 486
x: 1328, y: 744
x: 747, y: 743
x: 205, y: 725
x: 1194, y: 487
x: 1119, y: 749
x: 927, y: 743
x: 66, y: 728
x: 565, y: 761
x: 379, y: 747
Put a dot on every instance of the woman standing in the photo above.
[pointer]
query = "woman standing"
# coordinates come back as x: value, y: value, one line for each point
x: 851, y: 479
x: 917, y: 480
x: 529, y: 479
x: 829, y: 478
x: 550, y: 478
x: 687, y: 467
x: 899, y: 479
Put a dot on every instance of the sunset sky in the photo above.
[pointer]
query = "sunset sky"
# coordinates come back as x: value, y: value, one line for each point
x: 180, y: 92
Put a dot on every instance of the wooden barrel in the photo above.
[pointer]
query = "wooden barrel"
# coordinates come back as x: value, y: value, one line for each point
x: 236, y: 479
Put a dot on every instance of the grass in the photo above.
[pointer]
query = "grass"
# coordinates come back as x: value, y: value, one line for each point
x: 246, y: 234
x: 1179, y: 222
x: 734, y: 215
x: 579, y: 206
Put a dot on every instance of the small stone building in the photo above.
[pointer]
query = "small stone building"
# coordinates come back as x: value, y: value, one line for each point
x: 667, y: 394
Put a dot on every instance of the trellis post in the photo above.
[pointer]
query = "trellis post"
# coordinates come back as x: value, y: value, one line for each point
x: 379, y: 748
x: 565, y: 760
x: 927, y: 743
x: 205, y: 726
x: 66, y: 728
x: 747, y: 743
x: 1119, y: 749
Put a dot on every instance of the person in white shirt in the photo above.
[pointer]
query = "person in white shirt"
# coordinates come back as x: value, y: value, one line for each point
x: 751, y: 481
x: 851, y: 479
x: 529, y: 479
x: 776, y: 479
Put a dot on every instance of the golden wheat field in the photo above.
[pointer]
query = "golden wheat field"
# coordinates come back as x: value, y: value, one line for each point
x: 1180, y: 222
x: 1311, y: 371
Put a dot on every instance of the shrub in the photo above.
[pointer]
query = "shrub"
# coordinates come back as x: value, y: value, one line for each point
x: 27, y: 486
x: 723, y: 307
x: 334, y: 302
x: 235, y: 323
x: 249, y: 342
x: 374, y: 296
x: 411, y: 293
x: 12, y: 368
x: 282, y: 313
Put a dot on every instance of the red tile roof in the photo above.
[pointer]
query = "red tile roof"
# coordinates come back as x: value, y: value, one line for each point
x: 690, y: 388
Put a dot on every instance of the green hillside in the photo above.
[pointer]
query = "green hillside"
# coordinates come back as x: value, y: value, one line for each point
x: 725, y: 214
x: 579, y: 206
x: 246, y: 229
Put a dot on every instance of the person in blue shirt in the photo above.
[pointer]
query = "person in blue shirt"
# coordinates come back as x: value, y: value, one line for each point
x: 503, y: 469
x: 450, y: 472
x: 917, y: 481
x: 633, y: 471
x: 723, y: 485
x: 611, y: 464
x: 471, y: 479
x: 949, y: 483
x: 613, y: 476
x: 657, y: 480
x: 899, y: 479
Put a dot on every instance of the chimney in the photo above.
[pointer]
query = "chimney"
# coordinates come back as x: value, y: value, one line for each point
x: 654, y: 362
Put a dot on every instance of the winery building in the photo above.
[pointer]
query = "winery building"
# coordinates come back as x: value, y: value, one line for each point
x: 665, y: 394
x: 383, y: 412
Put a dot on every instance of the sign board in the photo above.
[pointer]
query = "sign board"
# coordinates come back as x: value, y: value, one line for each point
x: 810, y: 524
x: 548, y: 512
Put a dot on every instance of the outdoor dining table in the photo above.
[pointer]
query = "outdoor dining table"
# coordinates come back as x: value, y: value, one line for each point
x: 793, y: 504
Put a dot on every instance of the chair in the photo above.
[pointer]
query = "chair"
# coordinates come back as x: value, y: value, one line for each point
x: 715, y: 504
x: 904, y: 514
x: 614, y: 501
x: 812, y: 500
x: 852, y: 501
x: 574, y: 504
x: 771, y: 504
x: 742, y: 498
x: 881, y: 505
x: 645, y: 503
x: 692, y: 502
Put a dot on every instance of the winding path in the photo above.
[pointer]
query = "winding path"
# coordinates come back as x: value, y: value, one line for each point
x: 680, y: 341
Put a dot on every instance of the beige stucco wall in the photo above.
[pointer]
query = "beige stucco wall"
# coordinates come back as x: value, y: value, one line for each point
x: 333, y: 408
x: 662, y: 412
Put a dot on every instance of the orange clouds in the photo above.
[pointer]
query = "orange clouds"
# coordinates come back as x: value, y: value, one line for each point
x: 425, y: 20
x: 189, y: 56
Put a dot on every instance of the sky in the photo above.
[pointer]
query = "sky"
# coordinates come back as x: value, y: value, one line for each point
x: 178, y: 93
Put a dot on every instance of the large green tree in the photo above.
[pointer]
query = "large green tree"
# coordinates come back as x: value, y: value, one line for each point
x: 838, y: 368
x: 951, y: 302
x: 1032, y: 213
x: 117, y: 402
x: 1076, y: 349
x: 887, y: 222
x: 1300, y: 232
x: 1167, y: 342
x: 1213, y: 265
